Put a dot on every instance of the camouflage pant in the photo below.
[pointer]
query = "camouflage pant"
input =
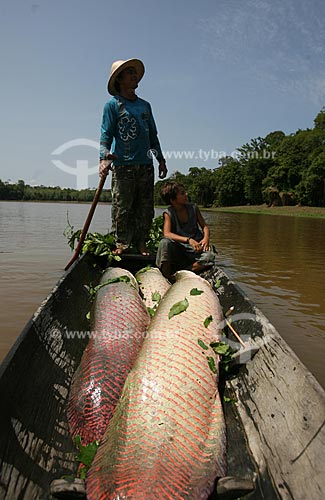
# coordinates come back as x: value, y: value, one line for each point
x: 133, y: 205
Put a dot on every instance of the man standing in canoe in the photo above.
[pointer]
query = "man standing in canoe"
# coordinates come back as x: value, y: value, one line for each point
x: 128, y: 123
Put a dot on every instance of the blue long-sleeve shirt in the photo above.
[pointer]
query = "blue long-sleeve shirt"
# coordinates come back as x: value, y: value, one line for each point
x: 129, y: 131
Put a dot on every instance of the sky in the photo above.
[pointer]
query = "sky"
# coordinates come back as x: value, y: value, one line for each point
x: 218, y: 73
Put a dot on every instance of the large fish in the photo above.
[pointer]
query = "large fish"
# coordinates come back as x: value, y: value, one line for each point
x: 166, y: 439
x: 117, y: 272
x: 119, y: 328
x: 153, y: 286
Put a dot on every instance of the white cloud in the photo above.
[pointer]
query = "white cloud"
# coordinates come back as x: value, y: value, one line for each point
x: 280, y: 42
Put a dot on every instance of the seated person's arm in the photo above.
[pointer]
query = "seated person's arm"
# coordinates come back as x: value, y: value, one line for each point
x: 205, y: 243
x: 167, y: 230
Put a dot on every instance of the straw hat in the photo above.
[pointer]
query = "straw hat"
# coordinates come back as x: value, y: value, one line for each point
x: 116, y: 69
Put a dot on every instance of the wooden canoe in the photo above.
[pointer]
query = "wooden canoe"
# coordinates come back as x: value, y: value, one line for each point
x: 275, y: 429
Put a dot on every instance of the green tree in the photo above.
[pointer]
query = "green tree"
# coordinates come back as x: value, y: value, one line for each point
x: 274, y: 139
x: 252, y: 150
x: 254, y: 171
x: 294, y: 156
x: 320, y: 120
x: 202, y: 186
x: 229, y: 183
x: 256, y: 158
x: 311, y: 189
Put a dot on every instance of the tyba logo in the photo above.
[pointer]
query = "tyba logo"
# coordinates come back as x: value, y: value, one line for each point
x: 82, y: 170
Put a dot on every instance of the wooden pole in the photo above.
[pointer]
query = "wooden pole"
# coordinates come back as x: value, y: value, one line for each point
x: 88, y: 221
x: 235, y: 333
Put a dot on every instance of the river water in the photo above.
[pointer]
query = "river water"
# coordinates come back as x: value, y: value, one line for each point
x: 278, y: 261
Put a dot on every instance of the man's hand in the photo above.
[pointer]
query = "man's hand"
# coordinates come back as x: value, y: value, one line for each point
x: 162, y: 169
x: 105, y: 165
x: 195, y: 245
x: 205, y: 245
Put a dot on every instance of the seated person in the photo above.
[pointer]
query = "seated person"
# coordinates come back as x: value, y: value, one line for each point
x: 185, y: 245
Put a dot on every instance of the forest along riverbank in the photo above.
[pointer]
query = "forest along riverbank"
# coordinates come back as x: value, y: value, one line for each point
x: 278, y: 261
x: 296, y: 211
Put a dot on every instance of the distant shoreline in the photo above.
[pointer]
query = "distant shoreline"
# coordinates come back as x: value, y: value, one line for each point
x: 292, y: 211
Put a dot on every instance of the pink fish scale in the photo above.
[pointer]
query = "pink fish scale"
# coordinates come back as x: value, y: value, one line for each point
x: 166, y: 439
x: 151, y: 281
x: 120, y: 325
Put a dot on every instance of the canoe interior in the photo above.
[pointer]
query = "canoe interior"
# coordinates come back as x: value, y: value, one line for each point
x: 35, y: 445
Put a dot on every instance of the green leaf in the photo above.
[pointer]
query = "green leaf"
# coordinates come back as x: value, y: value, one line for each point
x: 202, y: 344
x: 217, y: 283
x: 102, y: 245
x: 151, y: 311
x: 77, y: 440
x: 86, y: 455
x: 207, y: 321
x: 195, y: 291
x: 88, y: 315
x: 178, y: 308
x: 229, y: 400
x: 82, y: 472
x: 155, y: 234
x: 143, y: 270
x: 212, y: 364
x: 93, y: 290
x: 220, y: 348
x: 95, y: 243
x: 156, y: 297
x: 225, y: 351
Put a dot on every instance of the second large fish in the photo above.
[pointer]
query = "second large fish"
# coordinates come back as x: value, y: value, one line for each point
x: 166, y: 440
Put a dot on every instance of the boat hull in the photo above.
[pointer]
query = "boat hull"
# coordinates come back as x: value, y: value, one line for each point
x: 275, y: 429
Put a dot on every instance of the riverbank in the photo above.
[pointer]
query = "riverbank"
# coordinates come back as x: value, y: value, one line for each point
x: 294, y: 211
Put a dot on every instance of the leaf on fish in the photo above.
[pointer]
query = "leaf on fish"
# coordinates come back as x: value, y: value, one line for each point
x: 220, y: 348
x: 151, y: 311
x: 178, y: 308
x: 156, y: 297
x: 196, y: 291
x: 207, y: 321
x: 225, y: 351
x: 217, y: 283
x: 118, y: 279
x: 86, y: 455
x: 141, y: 271
x: 212, y: 364
x: 202, y: 344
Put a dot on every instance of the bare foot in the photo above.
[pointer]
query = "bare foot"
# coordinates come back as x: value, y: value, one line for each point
x: 120, y: 248
x: 118, y: 251
x: 199, y: 268
x: 143, y: 249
